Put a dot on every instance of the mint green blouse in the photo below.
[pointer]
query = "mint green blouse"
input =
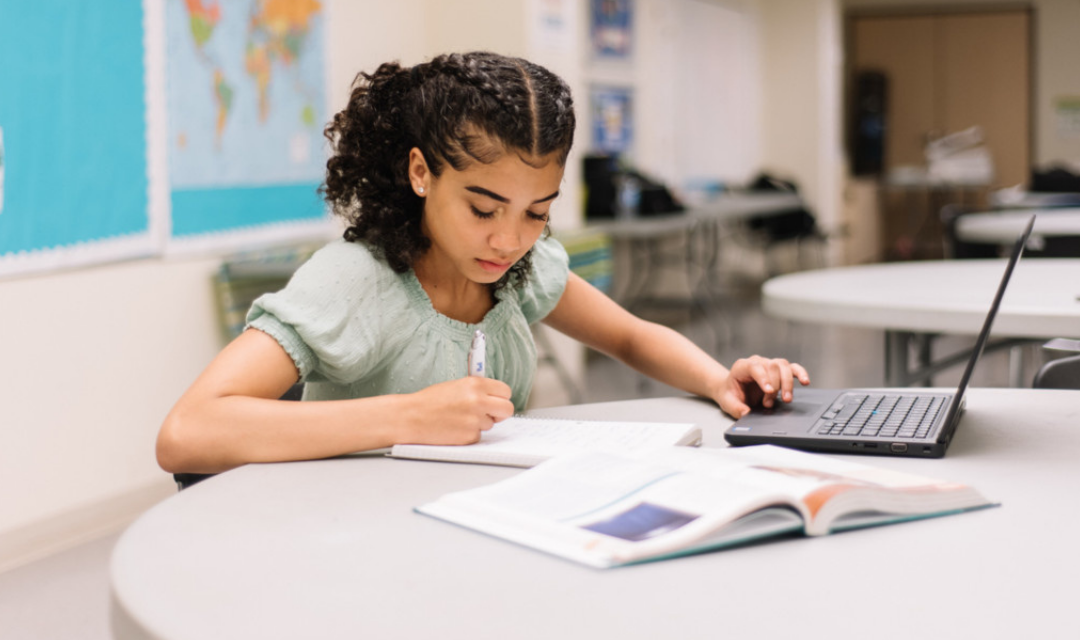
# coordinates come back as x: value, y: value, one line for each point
x: 356, y: 329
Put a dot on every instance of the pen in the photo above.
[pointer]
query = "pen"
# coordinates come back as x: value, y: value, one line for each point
x: 477, y: 356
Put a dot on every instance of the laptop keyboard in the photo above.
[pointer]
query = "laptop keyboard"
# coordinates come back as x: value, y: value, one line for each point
x: 880, y: 416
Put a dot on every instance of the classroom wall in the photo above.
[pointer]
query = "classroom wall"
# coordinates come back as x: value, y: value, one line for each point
x: 94, y: 358
x: 698, y: 79
x: 1056, y: 54
x: 800, y: 41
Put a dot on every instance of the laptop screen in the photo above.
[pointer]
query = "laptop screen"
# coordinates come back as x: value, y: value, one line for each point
x: 984, y: 334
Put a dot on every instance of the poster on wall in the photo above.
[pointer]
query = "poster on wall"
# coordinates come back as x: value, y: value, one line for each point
x: 246, y: 104
x: 611, y: 28
x: 73, y: 170
x: 612, y: 119
x: 551, y: 25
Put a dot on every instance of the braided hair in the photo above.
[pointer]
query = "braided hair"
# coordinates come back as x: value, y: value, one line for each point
x: 457, y: 109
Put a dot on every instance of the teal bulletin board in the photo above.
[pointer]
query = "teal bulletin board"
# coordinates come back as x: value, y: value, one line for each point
x: 73, y: 127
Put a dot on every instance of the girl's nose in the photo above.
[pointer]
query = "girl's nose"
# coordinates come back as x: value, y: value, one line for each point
x: 506, y: 239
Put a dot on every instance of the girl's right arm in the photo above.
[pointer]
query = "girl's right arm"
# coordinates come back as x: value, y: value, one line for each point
x: 231, y: 414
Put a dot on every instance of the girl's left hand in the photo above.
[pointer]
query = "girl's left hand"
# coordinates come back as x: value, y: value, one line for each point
x: 756, y: 380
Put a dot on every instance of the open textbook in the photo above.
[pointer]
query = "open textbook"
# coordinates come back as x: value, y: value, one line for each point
x: 606, y: 510
x: 523, y: 441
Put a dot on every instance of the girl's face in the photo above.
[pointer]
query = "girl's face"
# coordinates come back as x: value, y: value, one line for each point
x: 485, y: 218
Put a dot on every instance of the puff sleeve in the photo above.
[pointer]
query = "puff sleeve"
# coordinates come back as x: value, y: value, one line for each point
x: 334, y: 316
x: 547, y: 280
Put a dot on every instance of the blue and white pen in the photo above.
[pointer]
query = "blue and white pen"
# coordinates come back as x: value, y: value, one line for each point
x: 477, y: 355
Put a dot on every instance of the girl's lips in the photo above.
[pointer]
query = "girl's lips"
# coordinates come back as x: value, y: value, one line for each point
x: 494, y: 267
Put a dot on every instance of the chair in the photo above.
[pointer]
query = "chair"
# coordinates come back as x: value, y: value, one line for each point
x: 1062, y: 373
x: 955, y: 248
x: 796, y: 226
x: 240, y: 279
x: 590, y: 258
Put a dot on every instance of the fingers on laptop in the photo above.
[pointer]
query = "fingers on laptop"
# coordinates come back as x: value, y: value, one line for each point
x: 773, y: 374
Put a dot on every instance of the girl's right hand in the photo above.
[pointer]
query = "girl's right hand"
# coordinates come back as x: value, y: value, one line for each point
x: 457, y: 411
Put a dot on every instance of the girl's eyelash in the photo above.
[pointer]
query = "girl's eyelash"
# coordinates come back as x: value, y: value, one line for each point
x: 484, y: 215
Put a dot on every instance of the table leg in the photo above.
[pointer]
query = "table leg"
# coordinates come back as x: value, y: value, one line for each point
x: 1016, y: 366
x: 898, y: 369
x: 896, y: 358
x: 925, y: 357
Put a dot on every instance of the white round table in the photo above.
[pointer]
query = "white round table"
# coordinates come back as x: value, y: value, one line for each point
x: 908, y: 299
x: 332, y: 549
x: 1004, y: 226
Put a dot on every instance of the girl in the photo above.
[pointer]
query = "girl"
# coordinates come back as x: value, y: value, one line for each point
x: 445, y: 173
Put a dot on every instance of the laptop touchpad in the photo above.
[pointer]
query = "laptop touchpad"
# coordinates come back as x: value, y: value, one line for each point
x: 797, y: 408
x: 781, y: 419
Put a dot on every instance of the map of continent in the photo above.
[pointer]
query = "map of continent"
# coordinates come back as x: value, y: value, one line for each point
x: 246, y: 92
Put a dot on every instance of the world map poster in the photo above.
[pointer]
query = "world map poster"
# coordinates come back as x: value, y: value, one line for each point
x: 246, y: 104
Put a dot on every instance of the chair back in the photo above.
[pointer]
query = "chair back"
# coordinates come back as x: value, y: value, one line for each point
x: 1062, y: 373
x: 590, y: 256
x: 241, y: 278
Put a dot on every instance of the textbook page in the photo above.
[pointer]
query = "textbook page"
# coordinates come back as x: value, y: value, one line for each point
x: 605, y: 510
x: 838, y: 494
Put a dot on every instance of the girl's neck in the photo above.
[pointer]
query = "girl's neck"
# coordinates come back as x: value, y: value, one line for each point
x: 452, y: 294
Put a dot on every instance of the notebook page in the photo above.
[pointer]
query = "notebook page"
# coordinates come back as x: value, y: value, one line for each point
x: 523, y: 441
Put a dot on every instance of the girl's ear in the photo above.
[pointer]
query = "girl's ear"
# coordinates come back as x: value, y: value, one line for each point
x: 419, y: 174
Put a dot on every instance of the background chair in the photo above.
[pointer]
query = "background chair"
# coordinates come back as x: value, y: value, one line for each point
x: 796, y: 227
x: 590, y: 258
x: 1062, y: 372
x: 955, y: 248
x: 241, y: 278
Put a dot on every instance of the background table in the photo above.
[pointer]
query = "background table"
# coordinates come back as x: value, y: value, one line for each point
x: 1004, y: 227
x: 912, y: 300
x: 331, y: 549
x: 700, y: 227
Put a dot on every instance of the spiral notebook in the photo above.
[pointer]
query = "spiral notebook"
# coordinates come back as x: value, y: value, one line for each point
x: 524, y: 442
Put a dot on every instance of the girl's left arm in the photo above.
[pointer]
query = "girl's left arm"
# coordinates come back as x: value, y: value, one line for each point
x: 587, y: 315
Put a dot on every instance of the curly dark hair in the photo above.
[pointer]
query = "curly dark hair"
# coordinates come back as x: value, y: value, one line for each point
x: 452, y: 108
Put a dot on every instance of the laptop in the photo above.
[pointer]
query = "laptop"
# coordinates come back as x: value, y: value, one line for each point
x: 892, y: 422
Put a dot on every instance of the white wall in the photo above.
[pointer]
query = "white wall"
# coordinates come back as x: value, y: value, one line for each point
x: 802, y: 97
x: 1057, y: 51
x: 698, y: 90
x: 719, y: 91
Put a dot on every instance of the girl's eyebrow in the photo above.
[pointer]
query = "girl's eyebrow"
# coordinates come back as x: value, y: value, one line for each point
x: 503, y: 199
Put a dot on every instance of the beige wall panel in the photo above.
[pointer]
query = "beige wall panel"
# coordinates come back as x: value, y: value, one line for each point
x: 903, y: 49
x: 983, y: 75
